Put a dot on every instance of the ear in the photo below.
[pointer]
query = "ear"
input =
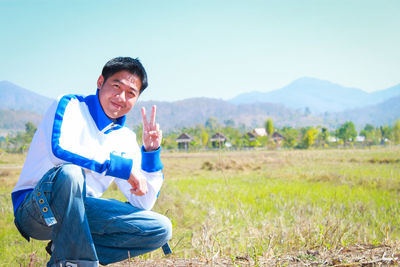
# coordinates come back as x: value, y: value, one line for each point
x: 100, y: 81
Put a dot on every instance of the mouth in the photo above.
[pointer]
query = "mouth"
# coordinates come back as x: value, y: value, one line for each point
x: 115, y: 105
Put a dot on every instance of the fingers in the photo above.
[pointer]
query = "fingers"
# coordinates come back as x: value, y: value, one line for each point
x: 141, y: 189
x: 138, y: 192
x: 155, y: 131
x: 146, y: 124
x: 153, y: 115
x: 152, y: 134
x: 139, y: 185
x: 144, y: 118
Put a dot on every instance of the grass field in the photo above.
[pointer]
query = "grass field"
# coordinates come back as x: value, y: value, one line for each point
x: 255, y: 204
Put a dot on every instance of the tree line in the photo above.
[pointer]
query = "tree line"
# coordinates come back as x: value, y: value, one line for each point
x: 238, y: 137
x: 299, y: 138
x: 18, y: 142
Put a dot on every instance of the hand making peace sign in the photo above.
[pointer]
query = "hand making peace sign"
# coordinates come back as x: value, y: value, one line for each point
x: 152, y: 135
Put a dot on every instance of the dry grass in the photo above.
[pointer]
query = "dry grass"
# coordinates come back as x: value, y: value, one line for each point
x: 355, y: 256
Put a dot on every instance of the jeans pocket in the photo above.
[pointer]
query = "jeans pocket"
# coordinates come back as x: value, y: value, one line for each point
x: 32, y: 210
x: 30, y: 222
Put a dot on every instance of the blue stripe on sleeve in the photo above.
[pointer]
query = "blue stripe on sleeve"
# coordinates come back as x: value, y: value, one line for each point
x: 151, y: 161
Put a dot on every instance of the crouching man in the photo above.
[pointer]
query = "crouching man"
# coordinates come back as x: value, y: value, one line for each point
x: 78, y: 150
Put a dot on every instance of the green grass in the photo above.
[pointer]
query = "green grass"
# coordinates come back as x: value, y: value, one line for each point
x: 15, y: 250
x: 257, y: 203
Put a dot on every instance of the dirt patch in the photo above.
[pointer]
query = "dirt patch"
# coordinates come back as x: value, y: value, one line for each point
x: 228, y: 165
x: 384, y: 161
x: 5, y: 173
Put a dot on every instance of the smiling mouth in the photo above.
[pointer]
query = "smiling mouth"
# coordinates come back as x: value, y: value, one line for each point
x: 116, y: 105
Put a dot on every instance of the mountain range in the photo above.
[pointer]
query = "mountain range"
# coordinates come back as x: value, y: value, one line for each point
x: 318, y: 96
x: 14, y: 97
x: 192, y: 111
x: 304, y: 102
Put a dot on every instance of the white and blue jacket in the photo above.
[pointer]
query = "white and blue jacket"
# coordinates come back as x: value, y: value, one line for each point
x: 76, y: 130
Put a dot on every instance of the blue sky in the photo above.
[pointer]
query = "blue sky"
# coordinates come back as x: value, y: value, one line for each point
x: 200, y: 48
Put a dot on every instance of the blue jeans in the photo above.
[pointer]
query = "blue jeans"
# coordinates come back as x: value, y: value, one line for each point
x: 87, y: 230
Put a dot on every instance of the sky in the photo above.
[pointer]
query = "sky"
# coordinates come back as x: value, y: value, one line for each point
x: 202, y: 48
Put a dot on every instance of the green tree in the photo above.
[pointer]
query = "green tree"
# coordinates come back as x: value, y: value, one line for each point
x: 204, y: 138
x: 269, y: 127
x: 386, y: 133
x: 196, y: 142
x: 369, y: 127
x: 241, y: 142
x: 232, y: 135
x: 169, y: 141
x: 347, y: 132
x: 309, y: 137
x: 290, y: 134
x: 324, y: 136
x: 16, y: 142
x: 212, y: 123
x: 263, y: 140
x: 396, y: 132
x: 369, y: 133
x: 30, y: 130
x: 21, y: 141
x: 244, y: 141
x: 378, y: 135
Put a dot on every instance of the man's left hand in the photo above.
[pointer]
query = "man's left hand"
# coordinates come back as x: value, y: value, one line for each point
x: 152, y: 135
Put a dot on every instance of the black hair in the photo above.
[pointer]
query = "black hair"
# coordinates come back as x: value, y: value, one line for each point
x: 129, y: 64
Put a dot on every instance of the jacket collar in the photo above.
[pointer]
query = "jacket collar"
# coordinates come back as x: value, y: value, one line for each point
x: 99, y: 117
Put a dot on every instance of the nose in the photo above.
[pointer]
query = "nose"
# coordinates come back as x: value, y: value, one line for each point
x: 122, y: 96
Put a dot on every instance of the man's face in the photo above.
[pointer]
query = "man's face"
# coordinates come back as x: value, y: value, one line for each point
x: 119, y: 93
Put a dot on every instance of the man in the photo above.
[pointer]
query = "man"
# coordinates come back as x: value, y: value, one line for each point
x: 78, y: 150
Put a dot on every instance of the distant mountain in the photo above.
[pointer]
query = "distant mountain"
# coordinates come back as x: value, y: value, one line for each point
x: 385, y: 113
x: 14, y: 97
x: 15, y: 120
x: 382, y: 95
x: 318, y: 96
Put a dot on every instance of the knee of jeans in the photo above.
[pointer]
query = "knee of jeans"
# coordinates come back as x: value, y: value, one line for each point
x: 71, y: 175
x: 166, y: 225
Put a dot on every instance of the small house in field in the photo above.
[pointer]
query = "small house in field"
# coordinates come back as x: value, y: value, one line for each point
x: 218, y: 140
x: 277, y: 137
x: 183, y: 141
x: 251, y: 136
